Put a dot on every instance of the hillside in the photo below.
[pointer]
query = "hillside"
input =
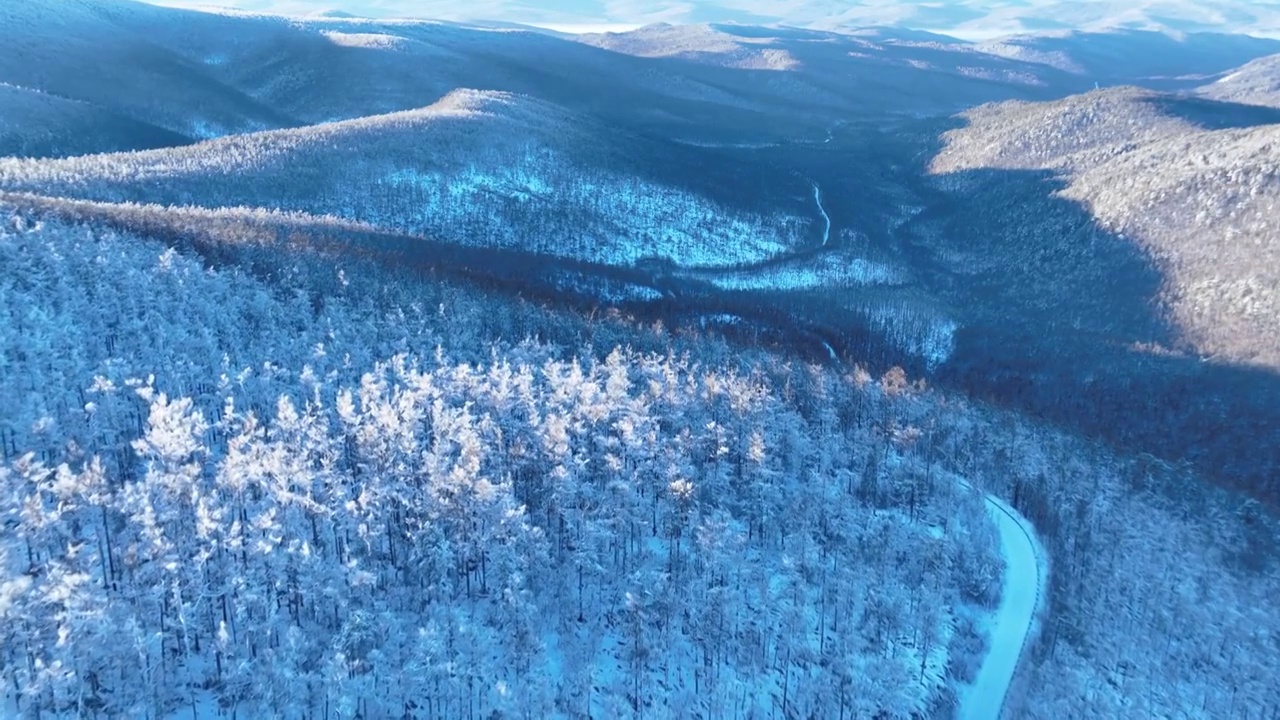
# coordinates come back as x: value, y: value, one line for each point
x: 476, y: 168
x: 381, y: 454
x: 850, y: 70
x: 1142, y: 56
x: 1254, y: 83
x: 1192, y: 182
x: 35, y: 124
x: 103, y: 53
x: 1113, y: 258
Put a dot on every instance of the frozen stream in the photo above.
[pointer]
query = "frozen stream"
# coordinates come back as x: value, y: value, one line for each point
x: 826, y: 219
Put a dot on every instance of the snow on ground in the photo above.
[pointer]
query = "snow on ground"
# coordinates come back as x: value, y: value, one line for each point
x: 929, y: 336
x: 831, y: 352
x: 205, y: 130
x: 830, y: 270
x: 720, y: 319
x: 594, y: 215
x: 605, y: 289
x: 734, y: 146
x: 374, y: 41
x: 904, y: 215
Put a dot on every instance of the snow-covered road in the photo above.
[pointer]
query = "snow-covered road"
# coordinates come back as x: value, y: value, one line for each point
x: 1020, y: 598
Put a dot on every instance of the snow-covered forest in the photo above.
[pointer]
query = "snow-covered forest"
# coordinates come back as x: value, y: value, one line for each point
x: 475, y: 168
x: 280, y: 486
x: 368, y: 369
x: 367, y: 503
x: 1192, y: 182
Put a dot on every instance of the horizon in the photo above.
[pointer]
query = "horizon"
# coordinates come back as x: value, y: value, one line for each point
x: 971, y: 20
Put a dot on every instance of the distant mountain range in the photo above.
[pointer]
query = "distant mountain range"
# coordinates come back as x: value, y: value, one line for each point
x: 968, y: 18
x: 176, y: 71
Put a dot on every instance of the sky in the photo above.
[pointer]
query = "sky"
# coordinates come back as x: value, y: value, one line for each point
x: 970, y: 16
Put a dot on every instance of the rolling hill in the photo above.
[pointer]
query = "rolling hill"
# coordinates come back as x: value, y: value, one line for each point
x: 476, y: 168
x: 1117, y: 250
x: 1255, y: 83
x: 966, y: 17
x: 1156, y: 59
x: 36, y: 124
x: 107, y: 54
x: 707, y: 82
x: 1191, y: 181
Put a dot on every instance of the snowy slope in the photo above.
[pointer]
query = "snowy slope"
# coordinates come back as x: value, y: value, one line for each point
x: 633, y: 536
x: 36, y: 124
x: 1255, y: 83
x: 111, y: 54
x: 476, y: 168
x: 1190, y: 181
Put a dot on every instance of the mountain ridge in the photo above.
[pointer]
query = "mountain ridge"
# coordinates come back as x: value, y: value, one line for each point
x: 982, y: 18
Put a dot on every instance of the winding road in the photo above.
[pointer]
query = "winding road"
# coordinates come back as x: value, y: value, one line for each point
x: 1023, y: 584
x: 1021, y: 592
x: 1021, y: 596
